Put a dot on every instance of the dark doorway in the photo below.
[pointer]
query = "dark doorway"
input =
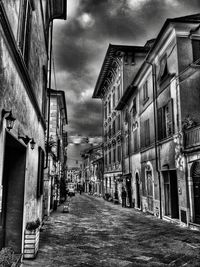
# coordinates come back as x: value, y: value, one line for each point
x: 13, y: 194
x: 137, y: 190
x: 129, y: 190
x: 196, y: 189
x: 171, y: 194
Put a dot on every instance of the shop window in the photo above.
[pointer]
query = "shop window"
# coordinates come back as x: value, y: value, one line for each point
x: 165, y: 120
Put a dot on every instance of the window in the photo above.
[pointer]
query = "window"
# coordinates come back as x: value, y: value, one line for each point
x: 109, y: 106
x: 118, y: 122
x: 113, y: 100
x: 105, y: 112
x: 165, y: 120
x: 106, y: 159
x: 118, y: 92
x: 44, y: 91
x: 134, y: 108
x: 109, y: 157
x: 196, y: 50
x: 114, y: 154
x: 109, y: 132
x: 135, y: 140
x: 145, y: 91
x: 40, y: 177
x: 163, y: 68
x: 145, y: 135
x: 127, y: 145
x: 25, y: 29
x: 119, y: 153
x: 113, y: 127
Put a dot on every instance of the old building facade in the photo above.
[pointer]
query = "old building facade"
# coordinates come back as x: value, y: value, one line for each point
x: 159, y: 110
x: 118, y: 70
x: 57, y: 145
x: 24, y: 39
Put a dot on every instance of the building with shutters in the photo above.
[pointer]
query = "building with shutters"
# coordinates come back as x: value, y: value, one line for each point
x: 57, y: 159
x: 161, y: 108
x: 120, y: 66
x: 24, y: 51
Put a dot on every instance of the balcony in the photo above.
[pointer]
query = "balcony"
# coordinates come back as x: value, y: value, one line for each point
x: 192, y: 138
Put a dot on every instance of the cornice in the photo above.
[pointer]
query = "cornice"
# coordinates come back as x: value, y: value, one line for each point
x: 20, y: 62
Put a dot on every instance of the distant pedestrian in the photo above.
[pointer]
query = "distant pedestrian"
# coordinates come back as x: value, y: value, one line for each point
x: 80, y: 189
x: 123, y: 197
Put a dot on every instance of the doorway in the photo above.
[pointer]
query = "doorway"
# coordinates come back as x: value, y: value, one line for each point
x: 137, y: 190
x: 13, y: 194
x: 171, y: 194
x: 196, y: 190
x: 129, y: 190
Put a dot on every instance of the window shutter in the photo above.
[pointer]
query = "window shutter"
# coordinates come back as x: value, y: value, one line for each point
x: 40, y: 179
x: 147, y: 131
x: 169, y: 117
x: 160, y: 135
x: 196, y: 50
x: 59, y: 9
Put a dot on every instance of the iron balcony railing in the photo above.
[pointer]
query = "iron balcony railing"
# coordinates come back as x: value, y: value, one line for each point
x: 192, y: 137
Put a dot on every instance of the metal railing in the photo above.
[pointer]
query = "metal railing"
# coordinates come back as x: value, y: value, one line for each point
x: 192, y: 137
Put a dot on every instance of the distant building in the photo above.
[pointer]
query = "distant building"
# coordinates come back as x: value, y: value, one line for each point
x: 92, y: 170
x: 120, y: 66
x: 56, y: 148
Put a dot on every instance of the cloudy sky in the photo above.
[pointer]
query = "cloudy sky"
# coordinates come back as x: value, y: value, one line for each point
x: 80, y: 44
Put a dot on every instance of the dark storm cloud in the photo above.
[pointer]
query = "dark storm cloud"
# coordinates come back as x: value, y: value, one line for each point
x: 81, y: 42
x: 87, y: 118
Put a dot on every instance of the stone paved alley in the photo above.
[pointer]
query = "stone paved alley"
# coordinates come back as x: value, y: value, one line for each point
x: 98, y: 233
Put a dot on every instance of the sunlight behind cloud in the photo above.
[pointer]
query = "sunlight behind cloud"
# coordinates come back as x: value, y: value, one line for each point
x: 86, y: 20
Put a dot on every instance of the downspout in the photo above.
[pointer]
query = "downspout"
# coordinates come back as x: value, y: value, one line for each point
x: 157, y: 155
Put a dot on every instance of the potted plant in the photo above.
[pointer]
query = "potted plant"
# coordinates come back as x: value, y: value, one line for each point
x: 31, y: 239
x: 8, y: 258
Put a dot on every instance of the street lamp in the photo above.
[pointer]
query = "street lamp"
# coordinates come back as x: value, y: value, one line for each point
x: 9, y: 119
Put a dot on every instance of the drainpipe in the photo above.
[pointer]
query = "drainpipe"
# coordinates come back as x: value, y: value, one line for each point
x: 157, y: 155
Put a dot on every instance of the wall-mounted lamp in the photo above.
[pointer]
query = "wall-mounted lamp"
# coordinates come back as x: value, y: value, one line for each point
x: 9, y: 119
x: 32, y: 143
x: 26, y: 139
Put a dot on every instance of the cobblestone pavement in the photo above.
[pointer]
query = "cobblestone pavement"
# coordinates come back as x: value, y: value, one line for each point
x: 97, y: 233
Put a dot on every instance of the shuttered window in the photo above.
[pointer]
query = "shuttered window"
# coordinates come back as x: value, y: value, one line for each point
x: 25, y: 29
x: 165, y: 120
x: 145, y: 134
x: 196, y: 50
x: 40, y: 179
x: 163, y: 68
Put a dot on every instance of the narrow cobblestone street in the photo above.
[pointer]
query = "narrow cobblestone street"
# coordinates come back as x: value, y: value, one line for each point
x: 98, y: 233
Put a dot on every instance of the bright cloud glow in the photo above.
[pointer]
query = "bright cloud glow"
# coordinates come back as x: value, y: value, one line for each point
x: 86, y: 20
